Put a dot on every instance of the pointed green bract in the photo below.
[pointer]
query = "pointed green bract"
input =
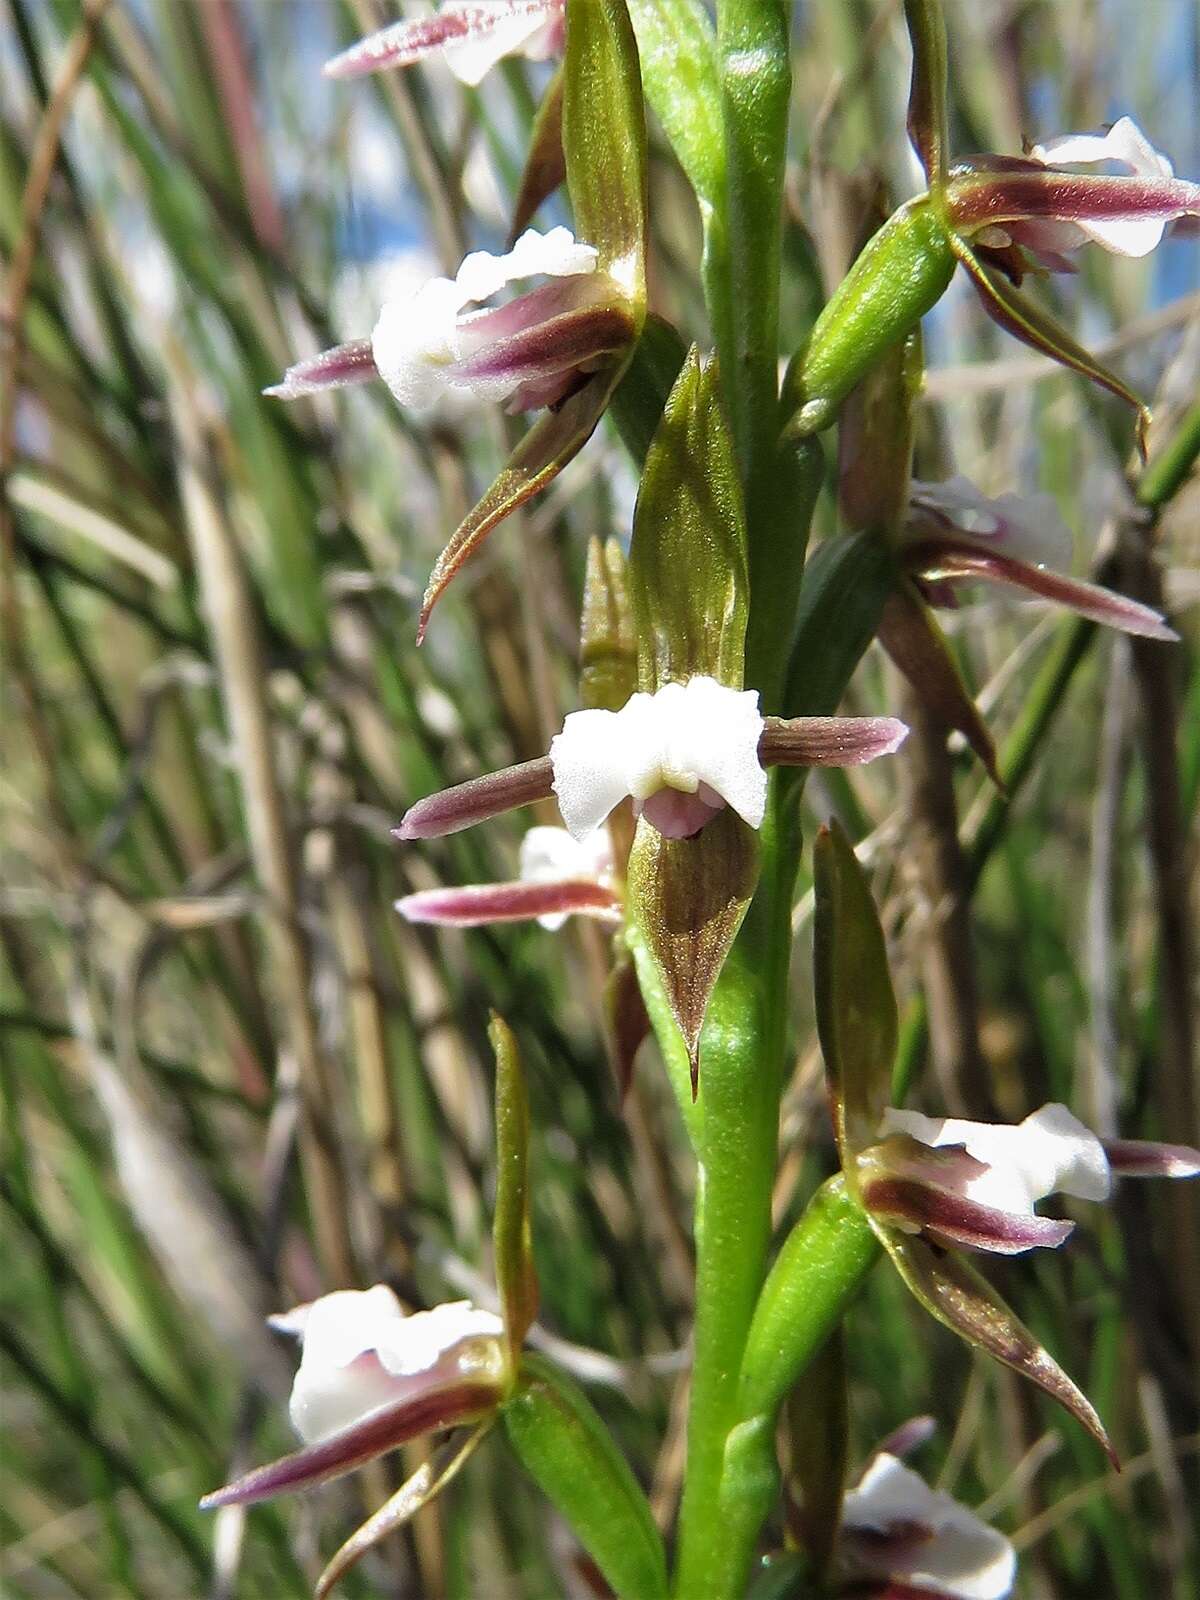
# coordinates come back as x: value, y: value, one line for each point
x: 687, y: 561
x: 556, y: 438
x: 927, y: 98
x: 1026, y: 320
x: 956, y: 1294
x: 688, y: 898
x: 512, y: 1236
x: 565, y: 1447
x: 856, y: 1007
x: 604, y: 140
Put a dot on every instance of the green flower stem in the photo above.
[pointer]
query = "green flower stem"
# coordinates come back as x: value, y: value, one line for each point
x: 736, y: 1155
x: 818, y: 1271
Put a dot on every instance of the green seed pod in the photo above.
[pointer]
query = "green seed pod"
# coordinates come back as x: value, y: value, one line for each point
x: 902, y: 274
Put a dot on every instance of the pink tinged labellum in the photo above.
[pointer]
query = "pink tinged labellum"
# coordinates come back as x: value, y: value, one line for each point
x: 472, y: 35
x: 951, y: 559
x: 338, y: 368
x: 451, y: 810
x: 477, y: 904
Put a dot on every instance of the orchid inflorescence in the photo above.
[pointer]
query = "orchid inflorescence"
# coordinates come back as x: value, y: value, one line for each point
x: 677, y: 783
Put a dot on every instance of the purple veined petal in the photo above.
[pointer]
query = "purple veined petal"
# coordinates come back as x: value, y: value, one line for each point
x: 402, y: 44
x: 951, y: 559
x: 1038, y: 192
x: 1145, y: 1158
x: 332, y: 369
x: 426, y: 1407
x: 951, y: 1219
x: 451, y: 810
x: 475, y: 905
x: 573, y: 342
x: 578, y: 291
x: 677, y: 815
x: 829, y: 741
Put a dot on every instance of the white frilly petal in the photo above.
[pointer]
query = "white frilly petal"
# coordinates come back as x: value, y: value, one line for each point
x: 964, y: 1558
x: 556, y: 254
x: 551, y: 855
x: 684, y: 735
x: 1127, y: 145
x: 588, y: 758
x: 358, y: 1342
x: 414, y: 342
x: 1051, y: 1152
x: 1124, y: 142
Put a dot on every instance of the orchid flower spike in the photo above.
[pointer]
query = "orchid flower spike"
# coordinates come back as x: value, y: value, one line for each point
x: 900, y: 1537
x: 975, y: 1184
x: 529, y: 352
x: 1035, y: 204
x: 471, y: 36
x: 953, y: 532
x: 371, y: 1378
x: 559, y: 877
x: 682, y: 755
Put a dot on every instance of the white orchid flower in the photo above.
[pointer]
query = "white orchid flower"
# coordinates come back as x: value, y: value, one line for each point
x: 976, y: 1184
x: 681, y: 754
x: 897, y: 1530
x: 530, y: 351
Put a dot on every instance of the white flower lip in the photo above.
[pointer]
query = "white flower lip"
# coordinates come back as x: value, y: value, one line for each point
x: 962, y: 1558
x: 552, y: 855
x: 1125, y: 144
x: 1051, y: 1152
x: 418, y: 340
x: 357, y: 1343
x: 681, y: 737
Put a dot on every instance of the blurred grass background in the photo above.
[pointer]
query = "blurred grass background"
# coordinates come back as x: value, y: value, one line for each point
x: 230, y: 1078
